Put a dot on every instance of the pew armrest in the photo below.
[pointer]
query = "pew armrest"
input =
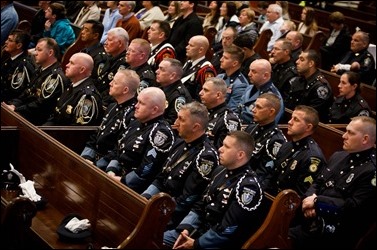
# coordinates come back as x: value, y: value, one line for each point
x: 273, y: 233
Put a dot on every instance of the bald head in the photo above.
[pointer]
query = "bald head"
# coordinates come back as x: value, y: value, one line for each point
x: 262, y: 65
x: 80, y: 66
x: 155, y: 96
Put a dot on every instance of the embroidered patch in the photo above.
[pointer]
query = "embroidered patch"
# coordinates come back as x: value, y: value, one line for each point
x: 205, y: 167
x: 364, y: 113
x: 247, y: 196
x: 100, y: 68
x: 179, y: 102
x: 314, y: 162
x: 322, y: 92
x: 373, y: 182
x: 232, y: 125
x: 276, y: 148
x: 160, y: 138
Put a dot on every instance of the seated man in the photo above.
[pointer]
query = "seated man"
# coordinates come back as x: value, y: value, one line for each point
x: 190, y: 163
x: 17, y: 69
x: 81, y: 103
x: 341, y: 203
x: 358, y: 59
x: 145, y: 144
x: 310, y: 88
x: 231, y: 208
x: 300, y: 161
x: 236, y: 82
x: 267, y: 136
x: 123, y: 89
x: 222, y: 119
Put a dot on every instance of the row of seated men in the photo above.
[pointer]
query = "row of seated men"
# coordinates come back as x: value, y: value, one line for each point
x: 296, y: 83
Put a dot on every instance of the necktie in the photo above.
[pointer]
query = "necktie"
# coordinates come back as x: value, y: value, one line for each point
x: 187, y: 66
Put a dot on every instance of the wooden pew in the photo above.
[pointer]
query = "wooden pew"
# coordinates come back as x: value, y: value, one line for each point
x: 73, y: 137
x: 317, y: 40
x: 261, y: 44
x: 273, y: 233
x: 368, y: 92
x: 118, y: 215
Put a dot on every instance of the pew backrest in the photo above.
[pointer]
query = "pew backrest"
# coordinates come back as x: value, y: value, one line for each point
x: 71, y: 185
x: 273, y: 233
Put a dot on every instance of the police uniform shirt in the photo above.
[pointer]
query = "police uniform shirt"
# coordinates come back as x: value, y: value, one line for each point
x: 281, y: 74
x: 298, y: 164
x: 16, y: 75
x: 106, y: 75
x: 230, y: 211
x: 177, y: 95
x: 343, y: 109
x: 195, y: 74
x: 38, y: 101
x: 159, y: 52
x: 236, y: 86
x: 114, y: 123
x: 268, y: 140
x: 314, y: 92
x: 98, y: 53
x: 79, y: 105
x: 222, y: 120
x: 367, y: 65
x: 346, y: 195
x: 142, y: 151
x: 188, y: 170
x: 147, y: 76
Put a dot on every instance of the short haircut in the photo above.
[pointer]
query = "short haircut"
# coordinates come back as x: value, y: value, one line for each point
x: 245, y: 141
x: 311, y: 115
x: 286, y: 44
x: 144, y: 45
x: 198, y: 112
x: 163, y: 27
x: 236, y: 53
x: 369, y: 126
x: 131, y: 79
x: 244, y: 41
x: 51, y: 44
x: 97, y: 27
x: 314, y: 56
x: 21, y: 36
x: 120, y: 33
x: 176, y: 66
x: 273, y: 100
x: 219, y: 84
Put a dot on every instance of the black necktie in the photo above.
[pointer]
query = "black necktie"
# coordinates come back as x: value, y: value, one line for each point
x: 187, y: 66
